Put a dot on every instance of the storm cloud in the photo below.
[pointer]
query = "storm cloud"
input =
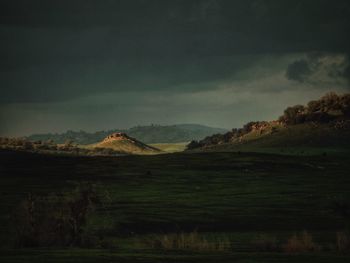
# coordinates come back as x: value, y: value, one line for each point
x: 124, y: 63
x: 318, y: 68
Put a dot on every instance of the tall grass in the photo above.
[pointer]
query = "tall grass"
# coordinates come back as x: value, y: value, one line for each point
x: 343, y: 242
x: 300, y: 244
x: 192, y: 241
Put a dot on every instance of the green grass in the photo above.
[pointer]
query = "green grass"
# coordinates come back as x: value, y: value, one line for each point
x: 124, y: 146
x: 94, y: 255
x: 301, y: 139
x: 240, y: 195
x: 170, y: 147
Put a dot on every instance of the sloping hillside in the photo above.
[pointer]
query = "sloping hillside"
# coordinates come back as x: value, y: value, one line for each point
x: 296, y: 139
x: 123, y: 143
x: 321, y: 126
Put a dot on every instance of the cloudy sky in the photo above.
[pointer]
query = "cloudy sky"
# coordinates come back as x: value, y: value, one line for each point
x: 96, y: 65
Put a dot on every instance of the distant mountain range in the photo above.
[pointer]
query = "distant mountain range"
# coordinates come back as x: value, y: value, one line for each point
x: 147, y: 134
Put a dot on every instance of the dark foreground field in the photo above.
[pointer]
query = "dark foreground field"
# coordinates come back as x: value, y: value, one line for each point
x: 233, y: 196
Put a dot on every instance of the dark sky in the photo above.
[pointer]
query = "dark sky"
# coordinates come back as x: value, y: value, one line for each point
x: 96, y: 65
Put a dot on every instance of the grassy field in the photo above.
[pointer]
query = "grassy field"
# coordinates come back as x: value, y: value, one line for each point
x: 79, y: 255
x: 170, y: 147
x: 232, y: 196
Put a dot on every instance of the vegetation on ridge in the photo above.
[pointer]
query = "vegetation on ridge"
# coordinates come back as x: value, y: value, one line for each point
x: 330, y: 111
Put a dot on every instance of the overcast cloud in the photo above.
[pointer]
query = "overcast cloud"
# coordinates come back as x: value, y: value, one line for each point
x: 95, y: 65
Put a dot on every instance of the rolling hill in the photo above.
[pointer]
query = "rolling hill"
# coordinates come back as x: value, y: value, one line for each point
x: 122, y: 143
x: 147, y: 134
x: 297, y: 139
x: 323, y: 126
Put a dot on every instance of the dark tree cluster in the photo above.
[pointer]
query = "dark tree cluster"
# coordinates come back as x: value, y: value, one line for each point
x: 329, y: 108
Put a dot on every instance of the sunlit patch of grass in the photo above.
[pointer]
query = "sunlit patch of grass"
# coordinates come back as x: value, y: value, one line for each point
x: 170, y: 147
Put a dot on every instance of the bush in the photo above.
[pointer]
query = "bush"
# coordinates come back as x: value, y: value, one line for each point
x: 345, y: 104
x: 187, y: 241
x: 54, y: 220
x: 193, y: 145
x: 329, y: 107
x: 319, y: 117
x: 300, y: 244
x: 314, y: 106
x: 294, y: 115
x: 343, y: 242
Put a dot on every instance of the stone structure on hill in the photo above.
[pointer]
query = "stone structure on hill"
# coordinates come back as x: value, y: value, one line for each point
x: 121, y: 136
x: 118, y: 136
x: 122, y: 142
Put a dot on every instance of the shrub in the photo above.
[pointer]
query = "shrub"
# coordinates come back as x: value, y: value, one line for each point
x: 54, y: 220
x: 324, y: 110
x: 318, y: 117
x: 314, y: 106
x: 294, y: 115
x: 330, y: 102
x: 187, y: 241
x: 193, y: 145
x: 343, y: 242
x: 345, y: 104
x: 300, y: 244
x: 27, y: 145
